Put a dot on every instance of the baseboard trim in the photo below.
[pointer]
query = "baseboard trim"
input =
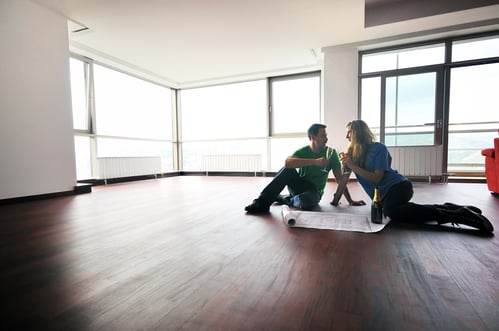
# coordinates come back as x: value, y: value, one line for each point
x: 35, y: 197
x: 80, y: 188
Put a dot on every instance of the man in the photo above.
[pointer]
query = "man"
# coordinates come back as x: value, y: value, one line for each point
x: 306, y: 186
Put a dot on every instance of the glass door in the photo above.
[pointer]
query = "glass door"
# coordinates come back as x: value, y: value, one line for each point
x: 473, y: 116
x: 404, y: 110
x: 410, y: 110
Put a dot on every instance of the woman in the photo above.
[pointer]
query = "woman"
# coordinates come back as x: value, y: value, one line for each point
x: 371, y: 163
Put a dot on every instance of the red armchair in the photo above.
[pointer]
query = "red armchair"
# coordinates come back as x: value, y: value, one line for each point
x: 492, y: 167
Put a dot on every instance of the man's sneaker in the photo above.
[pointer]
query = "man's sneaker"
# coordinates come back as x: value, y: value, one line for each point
x: 283, y: 200
x: 258, y: 206
x: 468, y: 217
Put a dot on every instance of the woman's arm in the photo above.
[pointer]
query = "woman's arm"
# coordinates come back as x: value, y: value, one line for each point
x: 376, y: 177
x: 338, y: 174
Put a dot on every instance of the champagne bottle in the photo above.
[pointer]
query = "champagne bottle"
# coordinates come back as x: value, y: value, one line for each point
x: 376, y: 207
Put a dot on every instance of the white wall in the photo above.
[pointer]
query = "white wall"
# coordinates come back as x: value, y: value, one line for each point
x: 340, y: 92
x: 36, y: 137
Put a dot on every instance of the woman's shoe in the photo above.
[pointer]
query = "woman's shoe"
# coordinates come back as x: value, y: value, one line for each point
x: 471, y: 218
x: 453, y: 206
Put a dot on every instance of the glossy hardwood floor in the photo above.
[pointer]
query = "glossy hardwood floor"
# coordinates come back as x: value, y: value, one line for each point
x: 179, y: 253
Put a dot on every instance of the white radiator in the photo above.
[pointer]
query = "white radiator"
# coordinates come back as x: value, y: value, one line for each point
x: 418, y: 161
x: 238, y: 162
x: 116, y: 167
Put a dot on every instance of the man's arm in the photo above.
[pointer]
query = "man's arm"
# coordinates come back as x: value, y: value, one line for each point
x: 296, y: 162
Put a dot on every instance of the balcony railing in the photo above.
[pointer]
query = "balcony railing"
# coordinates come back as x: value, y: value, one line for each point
x: 466, y: 140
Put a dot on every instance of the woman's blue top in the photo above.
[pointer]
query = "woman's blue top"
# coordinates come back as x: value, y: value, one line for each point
x: 379, y: 158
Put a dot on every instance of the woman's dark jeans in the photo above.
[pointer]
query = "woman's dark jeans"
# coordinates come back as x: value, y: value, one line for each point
x: 396, y: 205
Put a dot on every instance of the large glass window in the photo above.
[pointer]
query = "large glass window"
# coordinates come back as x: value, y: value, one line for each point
x: 410, y: 110
x: 133, y: 117
x: 227, y: 119
x: 83, y: 157
x: 78, y: 71
x: 473, y: 114
x: 422, y: 88
x: 234, y: 118
x: 479, y: 48
x: 407, y: 108
x: 371, y: 103
x: 403, y: 58
x: 224, y: 111
x: 295, y: 100
x: 130, y: 107
x: 281, y: 148
x: 81, y: 116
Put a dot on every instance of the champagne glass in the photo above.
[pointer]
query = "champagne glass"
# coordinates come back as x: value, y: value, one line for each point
x: 329, y: 153
x: 345, y: 167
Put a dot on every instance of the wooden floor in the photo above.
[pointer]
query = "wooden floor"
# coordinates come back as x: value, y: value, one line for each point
x: 179, y: 253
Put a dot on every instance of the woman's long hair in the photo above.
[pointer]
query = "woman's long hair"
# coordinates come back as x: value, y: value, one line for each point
x: 361, y: 137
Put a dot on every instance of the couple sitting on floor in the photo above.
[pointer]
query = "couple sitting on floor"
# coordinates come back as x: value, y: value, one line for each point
x: 305, y: 173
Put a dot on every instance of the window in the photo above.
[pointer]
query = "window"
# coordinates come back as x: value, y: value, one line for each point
x: 403, y: 97
x: 403, y: 58
x: 223, y: 119
x: 410, y: 110
x: 80, y: 106
x: 130, y: 107
x: 83, y: 157
x: 371, y: 103
x: 473, y: 115
x: 224, y: 111
x: 129, y: 116
x: 296, y: 103
x: 234, y: 119
x: 78, y: 71
x: 475, y: 49
x: 407, y: 108
x: 132, y: 117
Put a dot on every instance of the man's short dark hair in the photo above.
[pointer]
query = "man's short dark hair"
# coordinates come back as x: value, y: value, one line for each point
x: 314, y: 129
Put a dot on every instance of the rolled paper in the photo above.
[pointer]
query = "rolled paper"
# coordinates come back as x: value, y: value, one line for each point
x: 344, y: 221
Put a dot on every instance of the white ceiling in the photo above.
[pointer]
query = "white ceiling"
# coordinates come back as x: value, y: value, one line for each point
x: 185, y: 43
